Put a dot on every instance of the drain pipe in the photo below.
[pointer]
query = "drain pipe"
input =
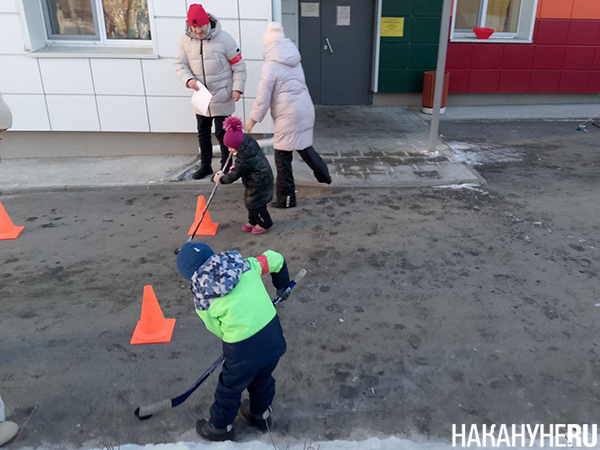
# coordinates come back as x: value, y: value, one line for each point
x: 439, y: 76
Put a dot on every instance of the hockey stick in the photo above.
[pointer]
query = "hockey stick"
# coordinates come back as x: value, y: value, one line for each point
x: 212, y: 194
x: 145, y: 412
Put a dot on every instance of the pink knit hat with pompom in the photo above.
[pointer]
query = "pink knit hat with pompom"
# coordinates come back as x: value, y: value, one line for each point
x: 234, y: 132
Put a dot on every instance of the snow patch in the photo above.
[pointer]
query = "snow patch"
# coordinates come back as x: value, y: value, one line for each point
x: 390, y: 443
x: 476, y: 154
x: 468, y: 186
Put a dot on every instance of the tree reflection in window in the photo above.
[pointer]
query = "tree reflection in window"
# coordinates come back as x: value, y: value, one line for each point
x: 126, y: 19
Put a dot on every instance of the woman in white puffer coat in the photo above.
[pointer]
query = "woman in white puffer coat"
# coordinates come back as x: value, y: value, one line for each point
x: 283, y: 88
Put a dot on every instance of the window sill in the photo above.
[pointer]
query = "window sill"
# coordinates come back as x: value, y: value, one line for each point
x: 492, y: 40
x: 94, y: 52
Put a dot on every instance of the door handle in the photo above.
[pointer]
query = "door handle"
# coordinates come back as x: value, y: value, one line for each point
x: 329, y: 45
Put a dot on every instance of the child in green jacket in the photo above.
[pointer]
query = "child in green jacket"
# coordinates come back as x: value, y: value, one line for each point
x: 233, y: 303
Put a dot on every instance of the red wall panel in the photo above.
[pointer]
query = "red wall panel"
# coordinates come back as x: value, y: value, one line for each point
x: 594, y: 82
x: 579, y: 58
x: 564, y: 57
x: 548, y: 57
x: 484, y: 81
x: 583, y: 32
x: 544, y: 81
x: 459, y: 56
x: 459, y: 80
x: 574, y: 81
x: 551, y: 32
x: 514, y: 80
x: 596, y: 64
x: 518, y: 56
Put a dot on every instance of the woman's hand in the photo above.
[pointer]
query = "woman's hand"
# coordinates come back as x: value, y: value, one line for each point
x: 249, y: 125
x: 235, y: 95
x: 193, y: 84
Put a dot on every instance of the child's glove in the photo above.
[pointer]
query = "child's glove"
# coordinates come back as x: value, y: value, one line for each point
x: 217, y: 177
x: 283, y: 294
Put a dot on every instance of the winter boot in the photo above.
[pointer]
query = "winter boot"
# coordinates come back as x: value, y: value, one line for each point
x: 206, y: 430
x: 262, y: 421
x: 202, y: 172
x: 8, y: 430
x: 289, y: 201
x: 260, y: 230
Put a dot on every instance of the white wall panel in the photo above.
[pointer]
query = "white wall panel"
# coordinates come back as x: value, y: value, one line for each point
x: 29, y: 112
x: 11, y: 38
x: 73, y: 112
x: 117, y: 76
x: 266, y: 126
x: 123, y: 113
x: 255, y: 9
x: 253, y: 69
x: 171, y: 115
x: 20, y: 75
x: 233, y: 28
x: 8, y: 6
x: 169, y: 8
x: 222, y: 9
x: 167, y: 34
x: 66, y: 76
x: 160, y: 79
x: 252, y: 38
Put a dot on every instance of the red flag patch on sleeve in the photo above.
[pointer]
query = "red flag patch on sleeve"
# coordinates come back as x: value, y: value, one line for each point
x: 264, y: 263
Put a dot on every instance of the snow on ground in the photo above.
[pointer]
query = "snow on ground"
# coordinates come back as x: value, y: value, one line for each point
x: 477, y: 154
x: 468, y: 186
x: 390, y: 443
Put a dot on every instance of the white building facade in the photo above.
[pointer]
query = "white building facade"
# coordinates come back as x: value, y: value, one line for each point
x: 109, y: 67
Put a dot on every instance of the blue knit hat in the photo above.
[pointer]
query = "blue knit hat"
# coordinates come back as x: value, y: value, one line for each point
x: 191, y: 256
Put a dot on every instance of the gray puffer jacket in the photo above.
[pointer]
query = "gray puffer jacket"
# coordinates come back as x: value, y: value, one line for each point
x: 282, y: 87
x: 216, y: 62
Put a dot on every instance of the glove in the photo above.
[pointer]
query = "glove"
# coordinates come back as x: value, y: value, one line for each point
x: 284, y: 295
x: 217, y: 177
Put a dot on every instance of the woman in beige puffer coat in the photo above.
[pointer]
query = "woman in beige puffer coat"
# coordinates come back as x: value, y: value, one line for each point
x: 209, y: 55
x: 283, y: 88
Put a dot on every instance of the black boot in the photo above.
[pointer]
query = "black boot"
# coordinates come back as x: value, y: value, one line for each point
x: 289, y: 201
x: 262, y: 421
x: 207, y: 431
x: 202, y: 172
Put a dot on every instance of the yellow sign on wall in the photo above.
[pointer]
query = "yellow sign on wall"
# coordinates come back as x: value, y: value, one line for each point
x: 392, y: 27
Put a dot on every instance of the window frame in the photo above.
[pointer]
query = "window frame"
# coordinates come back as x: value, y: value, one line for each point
x: 100, y: 39
x: 525, y: 25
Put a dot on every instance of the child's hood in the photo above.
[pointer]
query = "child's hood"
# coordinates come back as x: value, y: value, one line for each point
x: 248, y: 148
x: 218, y: 276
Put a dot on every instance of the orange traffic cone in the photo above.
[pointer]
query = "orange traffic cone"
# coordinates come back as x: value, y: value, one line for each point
x: 152, y: 328
x: 207, y: 227
x: 8, y: 230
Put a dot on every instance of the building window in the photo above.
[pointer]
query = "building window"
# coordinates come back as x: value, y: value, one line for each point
x: 104, y: 22
x: 510, y: 19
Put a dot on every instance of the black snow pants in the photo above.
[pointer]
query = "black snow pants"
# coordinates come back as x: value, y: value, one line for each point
x: 285, y: 186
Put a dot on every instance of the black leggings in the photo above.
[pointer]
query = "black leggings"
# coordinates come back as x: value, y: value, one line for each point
x: 260, y: 216
x: 205, y: 140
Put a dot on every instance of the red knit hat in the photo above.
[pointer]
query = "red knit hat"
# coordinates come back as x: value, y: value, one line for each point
x: 234, y: 132
x: 196, y: 16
